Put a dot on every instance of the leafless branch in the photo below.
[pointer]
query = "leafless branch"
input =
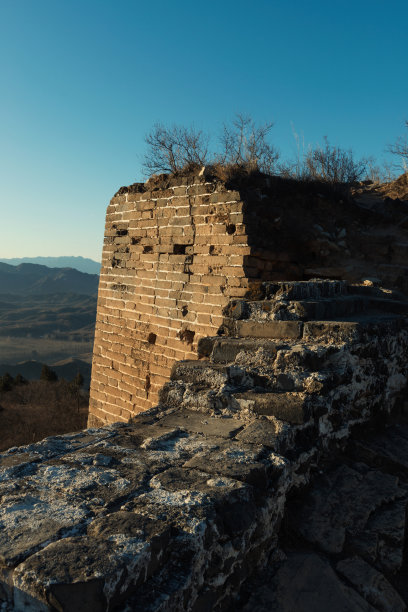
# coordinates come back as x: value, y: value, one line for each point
x: 400, y: 149
x: 171, y: 149
x: 332, y: 164
x: 244, y: 143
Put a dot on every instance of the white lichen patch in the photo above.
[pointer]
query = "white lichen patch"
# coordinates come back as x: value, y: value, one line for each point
x: 182, y: 498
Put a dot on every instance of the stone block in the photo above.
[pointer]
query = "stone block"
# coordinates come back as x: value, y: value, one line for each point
x: 293, y: 407
x: 265, y: 432
x: 371, y: 585
x: 203, y: 424
x: 269, y: 329
x: 331, y: 331
x: 236, y: 461
x: 306, y: 582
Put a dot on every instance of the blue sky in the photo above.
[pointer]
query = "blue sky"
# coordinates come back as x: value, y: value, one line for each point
x: 82, y: 81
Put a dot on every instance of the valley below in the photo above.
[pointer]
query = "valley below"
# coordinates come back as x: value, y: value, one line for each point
x: 56, y: 329
x: 47, y: 316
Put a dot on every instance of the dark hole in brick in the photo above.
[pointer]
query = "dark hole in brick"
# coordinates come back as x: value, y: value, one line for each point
x: 231, y: 228
x: 121, y: 232
x: 114, y: 262
x: 187, y: 336
x: 179, y: 249
x: 147, y: 385
x: 211, y: 249
x: 184, y: 310
x: 119, y: 287
x: 135, y: 240
x: 151, y: 338
x: 147, y: 249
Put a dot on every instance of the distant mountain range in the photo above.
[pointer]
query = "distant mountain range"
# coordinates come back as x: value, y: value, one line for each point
x: 83, y: 264
x: 28, y: 278
x: 46, y: 314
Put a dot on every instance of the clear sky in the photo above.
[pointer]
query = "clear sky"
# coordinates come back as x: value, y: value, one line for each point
x: 82, y: 81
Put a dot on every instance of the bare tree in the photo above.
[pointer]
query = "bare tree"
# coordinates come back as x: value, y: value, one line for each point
x: 332, y: 164
x: 243, y: 144
x: 400, y: 148
x: 246, y: 144
x: 171, y: 149
x: 383, y: 172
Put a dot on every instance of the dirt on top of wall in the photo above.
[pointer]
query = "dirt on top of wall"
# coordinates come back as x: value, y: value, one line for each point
x: 239, y: 177
x: 312, y: 229
x: 397, y: 188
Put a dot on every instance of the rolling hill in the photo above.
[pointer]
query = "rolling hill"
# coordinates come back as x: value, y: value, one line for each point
x: 46, y: 314
x: 29, y: 278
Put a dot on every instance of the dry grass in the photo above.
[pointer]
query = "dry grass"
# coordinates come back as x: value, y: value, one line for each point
x: 31, y: 412
x: 397, y: 188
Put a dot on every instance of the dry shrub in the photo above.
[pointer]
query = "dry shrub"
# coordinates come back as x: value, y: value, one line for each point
x: 170, y: 149
x: 334, y: 165
x: 245, y: 144
x: 231, y: 173
x: 400, y: 150
x: 397, y: 188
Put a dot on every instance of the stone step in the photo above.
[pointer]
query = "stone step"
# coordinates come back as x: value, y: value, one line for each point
x: 302, y: 290
x: 393, y: 275
x: 209, y: 396
x: 308, y: 356
x: 399, y: 253
x: 361, y: 299
x: 200, y: 372
x: 389, y: 305
x: 386, y: 314
x: 303, y: 310
x: 291, y: 330
x: 336, y: 332
x: 293, y: 407
x: 204, y: 375
x: 224, y: 349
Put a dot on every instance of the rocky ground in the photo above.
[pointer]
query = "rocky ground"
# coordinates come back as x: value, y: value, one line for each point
x: 243, y: 465
x: 343, y: 543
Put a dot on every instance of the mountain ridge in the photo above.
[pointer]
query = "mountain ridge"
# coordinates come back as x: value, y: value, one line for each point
x: 29, y: 278
x: 82, y: 264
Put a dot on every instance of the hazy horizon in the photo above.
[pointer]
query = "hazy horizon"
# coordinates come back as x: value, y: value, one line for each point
x: 2, y: 258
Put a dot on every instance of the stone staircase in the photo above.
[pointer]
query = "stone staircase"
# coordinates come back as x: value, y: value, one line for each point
x: 298, y: 357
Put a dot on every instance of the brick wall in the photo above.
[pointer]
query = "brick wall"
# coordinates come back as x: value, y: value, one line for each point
x: 173, y: 258
x: 178, y: 249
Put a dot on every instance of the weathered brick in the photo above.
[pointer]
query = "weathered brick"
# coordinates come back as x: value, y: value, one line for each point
x: 155, y: 291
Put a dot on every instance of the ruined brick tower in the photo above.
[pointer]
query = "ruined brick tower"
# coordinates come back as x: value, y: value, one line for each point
x: 178, y: 249
x: 173, y: 257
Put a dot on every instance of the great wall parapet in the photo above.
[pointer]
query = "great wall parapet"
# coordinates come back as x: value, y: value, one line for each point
x: 253, y: 453
x: 181, y: 508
